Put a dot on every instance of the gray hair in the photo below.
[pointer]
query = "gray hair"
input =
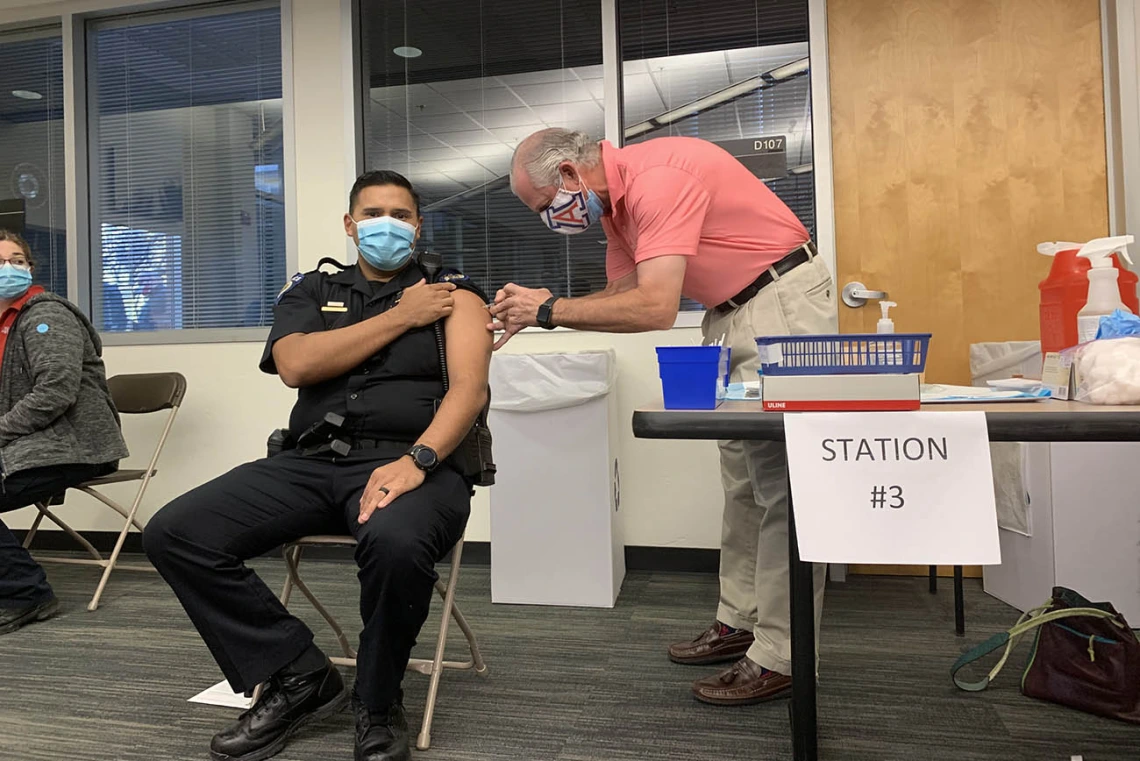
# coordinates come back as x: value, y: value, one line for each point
x: 543, y: 152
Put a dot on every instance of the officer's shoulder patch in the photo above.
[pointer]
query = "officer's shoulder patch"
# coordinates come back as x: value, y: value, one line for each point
x: 293, y: 281
x: 453, y: 277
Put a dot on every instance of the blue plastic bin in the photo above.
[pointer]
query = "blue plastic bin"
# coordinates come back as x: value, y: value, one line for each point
x: 690, y: 375
x: 850, y: 354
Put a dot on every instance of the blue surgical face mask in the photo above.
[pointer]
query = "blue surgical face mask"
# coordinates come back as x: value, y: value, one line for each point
x: 571, y: 212
x: 385, y: 243
x: 14, y: 281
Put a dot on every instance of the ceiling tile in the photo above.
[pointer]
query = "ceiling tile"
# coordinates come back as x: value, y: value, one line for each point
x: 748, y: 62
x: 641, y: 98
x: 510, y: 135
x: 533, y: 77
x: 510, y: 117
x: 569, y: 89
x: 444, y: 87
x: 463, y: 138
x: 456, y: 121
x: 435, y: 154
x: 478, y: 98
x: 570, y: 115
x: 487, y: 151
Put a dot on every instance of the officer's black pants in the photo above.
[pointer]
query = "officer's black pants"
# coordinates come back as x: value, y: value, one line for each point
x: 199, y: 543
x: 22, y: 579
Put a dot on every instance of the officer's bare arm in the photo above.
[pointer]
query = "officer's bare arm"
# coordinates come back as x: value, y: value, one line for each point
x: 305, y: 359
x: 648, y: 302
x: 468, y: 362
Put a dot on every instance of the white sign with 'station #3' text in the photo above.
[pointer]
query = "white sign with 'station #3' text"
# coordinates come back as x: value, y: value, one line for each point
x: 912, y: 488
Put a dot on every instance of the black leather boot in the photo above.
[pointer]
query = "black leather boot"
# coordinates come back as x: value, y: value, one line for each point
x: 381, y: 736
x: 289, y: 702
x: 12, y: 618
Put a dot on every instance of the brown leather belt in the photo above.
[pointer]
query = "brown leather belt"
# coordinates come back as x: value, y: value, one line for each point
x: 801, y: 255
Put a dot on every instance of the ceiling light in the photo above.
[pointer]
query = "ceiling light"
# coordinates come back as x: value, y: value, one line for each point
x: 407, y: 51
x: 27, y: 95
x: 789, y: 70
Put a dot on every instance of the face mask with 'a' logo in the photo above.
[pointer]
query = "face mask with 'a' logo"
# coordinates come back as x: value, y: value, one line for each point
x: 571, y: 212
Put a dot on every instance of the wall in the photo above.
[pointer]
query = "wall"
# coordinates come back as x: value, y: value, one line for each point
x: 671, y: 490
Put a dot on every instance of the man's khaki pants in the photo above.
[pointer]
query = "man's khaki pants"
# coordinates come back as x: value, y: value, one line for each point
x: 754, y: 543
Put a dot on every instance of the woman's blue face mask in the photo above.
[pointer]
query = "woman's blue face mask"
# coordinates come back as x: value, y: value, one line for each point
x: 14, y: 280
x: 385, y: 243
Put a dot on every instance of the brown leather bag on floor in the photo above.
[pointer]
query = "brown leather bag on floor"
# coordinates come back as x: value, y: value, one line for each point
x: 1084, y: 656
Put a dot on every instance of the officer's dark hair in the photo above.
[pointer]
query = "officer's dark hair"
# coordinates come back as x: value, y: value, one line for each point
x: 379, y: 177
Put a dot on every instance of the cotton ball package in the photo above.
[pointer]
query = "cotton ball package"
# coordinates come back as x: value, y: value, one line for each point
x: 1108, y: 372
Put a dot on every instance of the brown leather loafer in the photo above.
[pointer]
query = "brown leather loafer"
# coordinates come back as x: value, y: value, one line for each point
x: 711, y: 647
x: 743, y: 684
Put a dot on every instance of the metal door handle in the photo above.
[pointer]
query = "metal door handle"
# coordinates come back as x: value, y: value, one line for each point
x: 855, y: 295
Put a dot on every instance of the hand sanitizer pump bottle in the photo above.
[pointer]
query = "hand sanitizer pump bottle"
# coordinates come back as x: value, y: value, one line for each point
x: 1104, y: 292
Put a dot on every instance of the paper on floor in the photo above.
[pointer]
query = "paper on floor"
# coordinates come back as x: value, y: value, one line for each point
x: 221, y: 695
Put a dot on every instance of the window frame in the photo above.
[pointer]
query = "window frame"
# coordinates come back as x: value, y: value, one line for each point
x: 77, y: 134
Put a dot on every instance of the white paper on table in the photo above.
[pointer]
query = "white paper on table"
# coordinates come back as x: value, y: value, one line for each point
x: 934, y: 510
x: 222, y: 695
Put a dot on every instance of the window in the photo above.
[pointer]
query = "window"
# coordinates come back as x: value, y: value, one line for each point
x: 733, y: 72
x: 450, y: 88
x: 31, y: 149
x: 185, y: 156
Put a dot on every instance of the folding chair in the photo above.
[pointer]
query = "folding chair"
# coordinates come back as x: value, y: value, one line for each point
x: 432, y: 668
x: 133, y: 395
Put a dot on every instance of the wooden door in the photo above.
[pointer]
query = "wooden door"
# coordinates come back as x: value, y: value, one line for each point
x: 964, y: 133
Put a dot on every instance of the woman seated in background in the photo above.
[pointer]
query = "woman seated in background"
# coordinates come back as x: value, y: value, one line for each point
x: 58, y: 425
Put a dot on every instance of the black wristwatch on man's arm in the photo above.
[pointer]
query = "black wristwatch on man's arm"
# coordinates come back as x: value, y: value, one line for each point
x: 424, y: 457
x: 545, y: 317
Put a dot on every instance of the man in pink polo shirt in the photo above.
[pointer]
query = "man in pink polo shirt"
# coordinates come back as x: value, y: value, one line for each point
x: 684, y: 218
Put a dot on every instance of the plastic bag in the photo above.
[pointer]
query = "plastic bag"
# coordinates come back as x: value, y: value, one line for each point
x: 1118, y: 325
x: 1108, y: 372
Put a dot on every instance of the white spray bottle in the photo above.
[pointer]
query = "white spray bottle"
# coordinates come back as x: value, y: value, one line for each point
x: 1104, y: 292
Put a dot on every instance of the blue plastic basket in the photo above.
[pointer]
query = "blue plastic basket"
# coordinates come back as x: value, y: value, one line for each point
x: 691, y: 376
x: 852, y: 354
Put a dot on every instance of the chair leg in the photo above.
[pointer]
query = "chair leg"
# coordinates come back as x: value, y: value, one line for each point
x: 292, y: 556
x: 40, y: 507
x: 423, y: 742
x: 292, y: 570
x: 130, y: 516
x: 479, y: 665
x: 73, y: 534
x: 933, y: 579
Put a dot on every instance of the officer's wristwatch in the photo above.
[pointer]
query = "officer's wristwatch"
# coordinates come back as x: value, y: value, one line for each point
x: 545, y: 313
x: 424, y: 457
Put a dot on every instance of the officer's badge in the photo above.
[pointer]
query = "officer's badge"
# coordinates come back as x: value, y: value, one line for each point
x: 289, y: 286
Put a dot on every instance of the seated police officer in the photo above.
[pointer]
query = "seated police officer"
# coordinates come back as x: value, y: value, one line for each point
x: 359, y: 344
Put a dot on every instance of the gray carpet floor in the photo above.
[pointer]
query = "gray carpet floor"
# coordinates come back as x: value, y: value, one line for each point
x: 564, y: 684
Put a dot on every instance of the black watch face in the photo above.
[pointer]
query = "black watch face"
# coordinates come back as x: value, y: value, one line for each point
x: 425, y: 457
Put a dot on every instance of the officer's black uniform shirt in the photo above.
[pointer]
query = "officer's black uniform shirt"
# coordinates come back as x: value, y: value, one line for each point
x: 392, y: 395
